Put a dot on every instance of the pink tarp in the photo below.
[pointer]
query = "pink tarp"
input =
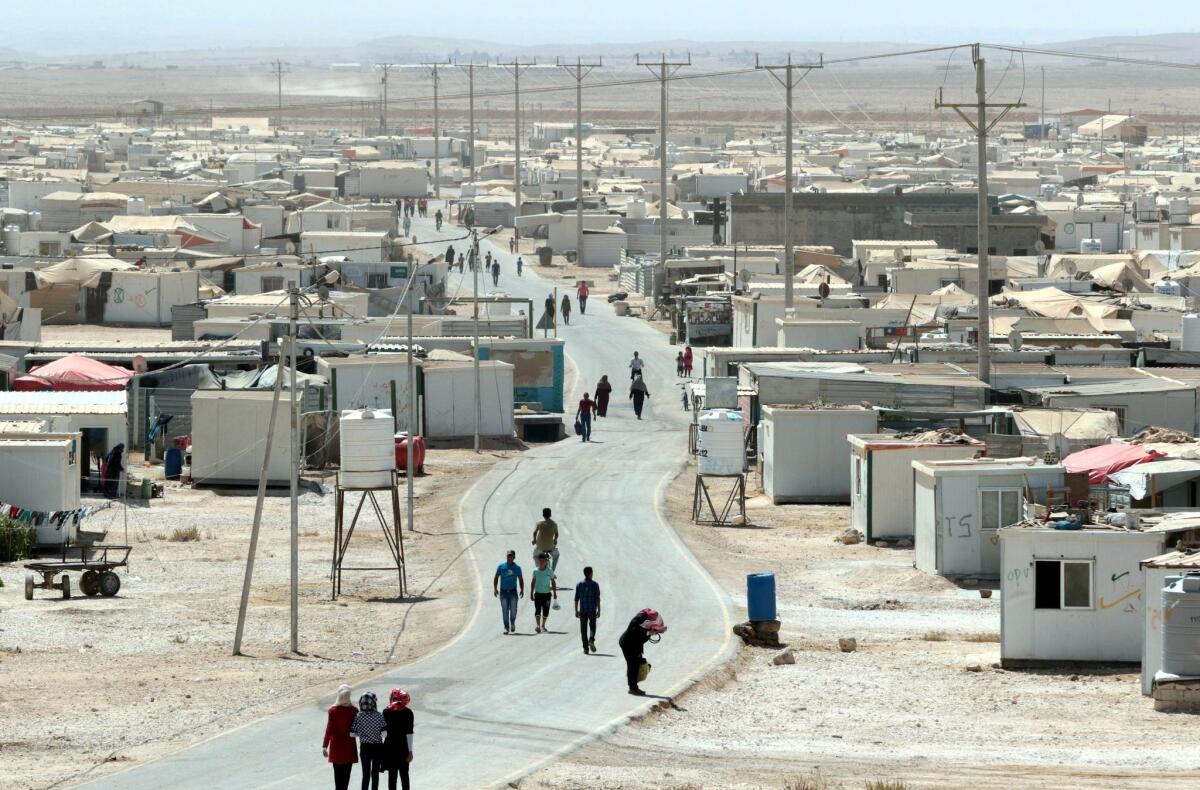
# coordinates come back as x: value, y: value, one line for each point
x: 1103, y: 460
x: 74, y: 372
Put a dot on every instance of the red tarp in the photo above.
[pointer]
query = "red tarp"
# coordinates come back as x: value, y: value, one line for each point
x: 1101, y: 461
x: 74, y: 372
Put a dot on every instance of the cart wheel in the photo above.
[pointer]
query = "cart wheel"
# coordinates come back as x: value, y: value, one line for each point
x: 66, y: 587
x: 89, y: 583
x: 110, y: 584
x: 29, y: 587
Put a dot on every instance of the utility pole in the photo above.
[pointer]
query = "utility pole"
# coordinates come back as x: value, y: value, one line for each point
x: 469, y: 68
x: 665, y: 72
x: 475, y: 330
x: 294, y: 482
x: 1043, y: 134
x: 412, y: 410
x: 437, y: 131
x: 383, y: 107
x: 515, y: 69
x: 981, y: 126
x: 579, y: 70
x: 278, y: 68
x: 788, y: 80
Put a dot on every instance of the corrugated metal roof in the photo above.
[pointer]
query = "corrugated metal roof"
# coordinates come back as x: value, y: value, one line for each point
x: 1184, y: 560
x: 72, y: 398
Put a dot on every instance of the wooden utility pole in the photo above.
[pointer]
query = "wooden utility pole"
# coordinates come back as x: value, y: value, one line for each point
x: 278, y: 68
x: 437, y: 130
x: 663, y: 70
x: 383, y: 106
x: 469, y: 68
x: 515, y: 68
x: 579, y: 70
x: 981, y: 126
x: 788, y: 80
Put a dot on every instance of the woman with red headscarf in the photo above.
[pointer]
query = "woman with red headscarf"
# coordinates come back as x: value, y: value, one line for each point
x: 397, y: 747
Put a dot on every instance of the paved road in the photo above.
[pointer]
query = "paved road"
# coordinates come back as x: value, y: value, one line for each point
x: 490, y: 708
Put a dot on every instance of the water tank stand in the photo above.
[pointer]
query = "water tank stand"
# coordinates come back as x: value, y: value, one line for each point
x: 703, y: 509
x: 342, y: 534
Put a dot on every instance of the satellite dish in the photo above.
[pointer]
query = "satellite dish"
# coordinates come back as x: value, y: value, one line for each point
x: 1014, y: 340
x: 1069, y: 267
x: 139, y: 364
x: 823, y: 290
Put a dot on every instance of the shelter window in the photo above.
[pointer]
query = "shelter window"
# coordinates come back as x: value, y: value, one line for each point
x: 377, y: 280
x: 1119, y: 411
x: 272, y: 283
x: 999, y: 507
x: 50, y: 248
x: 1063, y: 584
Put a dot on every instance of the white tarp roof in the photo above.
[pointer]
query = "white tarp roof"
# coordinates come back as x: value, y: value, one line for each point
x: 1156, y: 476
x: 1071, y: 423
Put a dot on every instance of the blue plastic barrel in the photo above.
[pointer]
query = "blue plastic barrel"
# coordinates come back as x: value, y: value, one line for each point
x: 173, y: 463
x: 760, y: 596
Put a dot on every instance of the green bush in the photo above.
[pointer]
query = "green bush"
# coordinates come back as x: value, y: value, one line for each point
x: 16, y: 539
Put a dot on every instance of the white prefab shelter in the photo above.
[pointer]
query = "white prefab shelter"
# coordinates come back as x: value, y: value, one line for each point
x: 229, y: 435
x: 1073, y: 595
x: 1155, y: 572
x: 959, y: 507
x: 881, y: 479
x: 379, y: 381
x: 40, y: 471
x: 803, y: 451
x: 450, y: 399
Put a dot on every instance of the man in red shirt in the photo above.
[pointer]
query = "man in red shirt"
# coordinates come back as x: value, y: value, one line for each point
x: 587, y: 407
x: 582, y: 293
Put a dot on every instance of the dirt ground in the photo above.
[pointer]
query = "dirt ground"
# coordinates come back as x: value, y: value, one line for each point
x: 149, y: 671
x: 922, y: 701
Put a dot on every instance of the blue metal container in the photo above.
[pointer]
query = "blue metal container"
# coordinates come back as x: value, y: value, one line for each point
x: 760, y: 596
x: 173, y: 463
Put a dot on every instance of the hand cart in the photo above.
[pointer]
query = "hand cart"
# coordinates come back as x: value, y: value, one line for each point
x: 96, y: 563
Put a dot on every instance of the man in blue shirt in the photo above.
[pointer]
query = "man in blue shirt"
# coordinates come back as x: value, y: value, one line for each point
x: 508, y: 584
x: 587, y: 609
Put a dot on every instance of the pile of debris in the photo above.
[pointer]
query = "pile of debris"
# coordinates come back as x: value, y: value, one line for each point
x: 1156, y: 435
x: 938, y: 436
x: 759, y: 633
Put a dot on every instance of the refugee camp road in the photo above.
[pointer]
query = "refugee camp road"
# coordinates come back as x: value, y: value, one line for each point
x: 489, y: 707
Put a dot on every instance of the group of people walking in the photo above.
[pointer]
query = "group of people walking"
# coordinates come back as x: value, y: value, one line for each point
x: 381, y: 741
x: 508, y: 586
x: 683, y: 362
x: 410, y: 207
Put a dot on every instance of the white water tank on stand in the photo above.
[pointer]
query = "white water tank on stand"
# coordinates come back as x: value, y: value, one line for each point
x: 720, y: 442
x: 1181, y: 625
x: 368, y: 448
x: 1190, y: 327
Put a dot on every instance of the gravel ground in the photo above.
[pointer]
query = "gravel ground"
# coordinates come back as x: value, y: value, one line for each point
x: 921, y: 701
x: 150, y: 671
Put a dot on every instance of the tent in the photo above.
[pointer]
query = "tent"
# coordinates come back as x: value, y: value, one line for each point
x: 74, y: 372
x: 1103, y: 460
x: 84, y: 271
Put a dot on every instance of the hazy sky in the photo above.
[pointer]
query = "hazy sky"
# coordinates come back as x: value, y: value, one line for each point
x: 54, y: 27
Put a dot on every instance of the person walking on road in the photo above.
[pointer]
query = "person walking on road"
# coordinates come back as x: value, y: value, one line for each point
x: 338, y: 744
x: 488, y: 259
x: 398, y: 747
x: 679, y: 365
x: 520, y: 266
x: 512, y: 245
x: 462, y: 261
x: 566, y: 309
x: 587, y: 407
x: 638, y: 394
x: 545, y: 538
x: 587, y: 609
x: 543, y: 591
x: 508, y: 585
x: 635, y: 366
x: 582, y: 292
x: 688, y: 358
x: 368, y: 727
x: 641, y: 629
x: 437, y: 218
x: 550, y: 310
x: 603, y: 392
x: 495, y: 273
x: 407, y: 225
x: 450, y: 254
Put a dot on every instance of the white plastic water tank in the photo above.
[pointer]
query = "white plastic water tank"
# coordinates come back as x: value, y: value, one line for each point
x: 720, y: 443
x: 35, y: 220
x: 635, y: 209
x: 1190, y: 328
x: 1091, y: 247
x: 1180, y: 211
x: 366, y: 441
x: 1145, y: 208
x: 1181, y: 625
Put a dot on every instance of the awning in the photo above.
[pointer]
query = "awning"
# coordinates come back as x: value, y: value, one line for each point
x: 1156, y: 476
